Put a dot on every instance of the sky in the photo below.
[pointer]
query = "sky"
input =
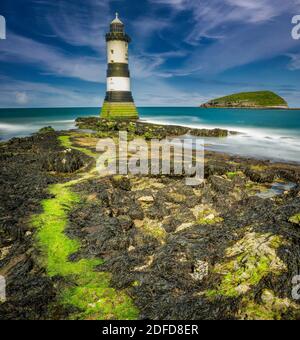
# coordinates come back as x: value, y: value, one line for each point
x: 183, y: 52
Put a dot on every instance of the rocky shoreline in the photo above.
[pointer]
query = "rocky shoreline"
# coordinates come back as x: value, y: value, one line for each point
x: 74, y: 245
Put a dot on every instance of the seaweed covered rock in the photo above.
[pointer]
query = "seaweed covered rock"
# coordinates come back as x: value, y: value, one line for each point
x: 146, y: 130
x: 226, y: 249
x: 209, y: 132
x: 65, y: 161
x: 24, y: 185
x: 46, y: 129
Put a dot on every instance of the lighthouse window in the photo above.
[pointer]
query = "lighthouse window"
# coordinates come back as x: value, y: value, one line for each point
x: 112, y: 51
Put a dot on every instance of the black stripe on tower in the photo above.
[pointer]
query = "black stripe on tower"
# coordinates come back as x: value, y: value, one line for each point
x: 118, y: 70
x: 118, y: 97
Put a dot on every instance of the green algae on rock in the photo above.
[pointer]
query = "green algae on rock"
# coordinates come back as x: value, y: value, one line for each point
x: 248, y: 262
x: 144, y: 129
x: 46, y: 129
x: 209, y: 217
x: 119, y: 111
x: 295, y: 219
x: 88, y: 290
x: 271, y: 307
x: 169, y: 265
x: 153, y: 229
x: 66, y: 142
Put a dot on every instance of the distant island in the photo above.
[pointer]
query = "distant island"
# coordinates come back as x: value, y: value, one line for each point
x: 252, y: 100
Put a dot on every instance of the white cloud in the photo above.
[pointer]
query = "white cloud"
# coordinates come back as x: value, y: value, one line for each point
x: 151, y: 91
x: 21, y: 98
x: 244, y: 46
x: 144, y: 27
x: 158, y: 92
x: 212, y: 17
x: 45, y: 95
x: 244, y: 31
x: 259, y: 35
x: 78, y: 23
x: 147, y: 65
x: 295, y: 62
x: 52, y: 60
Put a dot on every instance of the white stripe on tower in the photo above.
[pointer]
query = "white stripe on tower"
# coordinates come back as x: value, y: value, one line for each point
x: 117, y: 51
x: 118, y: 84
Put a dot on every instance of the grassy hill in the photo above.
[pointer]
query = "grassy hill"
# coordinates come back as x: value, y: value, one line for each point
x: 259, y: 99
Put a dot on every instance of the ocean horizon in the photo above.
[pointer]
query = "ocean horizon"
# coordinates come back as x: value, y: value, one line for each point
x: 265, y: 134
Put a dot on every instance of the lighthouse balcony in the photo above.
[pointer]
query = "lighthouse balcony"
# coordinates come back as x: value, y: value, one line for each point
x: 117, y: 36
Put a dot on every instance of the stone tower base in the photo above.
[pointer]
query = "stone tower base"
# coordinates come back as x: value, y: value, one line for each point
x: 121, y: 110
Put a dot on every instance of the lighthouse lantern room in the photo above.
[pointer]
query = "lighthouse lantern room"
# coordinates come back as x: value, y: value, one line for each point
x: 118, y: 103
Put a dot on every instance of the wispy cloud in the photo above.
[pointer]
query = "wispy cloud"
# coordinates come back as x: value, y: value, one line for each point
x: 78, y: 23
x: 52, y: 60
x: 146, y: 26
x: 244, y: 46
x: 158, y: 92
x: 16, y: 93
x: 295, y: 61
x: 191, y: 39
x: 145, y: 65
x: 212, y: 17
x: 244, y: 31
x: 22, y: 98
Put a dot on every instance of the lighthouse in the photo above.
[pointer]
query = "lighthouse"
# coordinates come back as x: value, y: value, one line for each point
x: 118, y: 102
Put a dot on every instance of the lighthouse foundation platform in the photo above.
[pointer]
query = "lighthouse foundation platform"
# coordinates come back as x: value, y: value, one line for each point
x: 119, y: 110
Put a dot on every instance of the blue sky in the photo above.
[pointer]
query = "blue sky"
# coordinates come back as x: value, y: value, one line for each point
x: 184, y: 52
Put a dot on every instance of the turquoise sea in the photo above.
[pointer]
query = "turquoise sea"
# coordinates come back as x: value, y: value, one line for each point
x: 265, y: 134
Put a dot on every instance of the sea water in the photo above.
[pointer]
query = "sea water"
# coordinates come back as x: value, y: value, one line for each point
x: 264, y: 134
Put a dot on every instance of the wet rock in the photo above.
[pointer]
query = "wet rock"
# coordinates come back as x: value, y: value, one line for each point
x: 199, y: 270
x: 146, y: 199
x: 146, y: 130
x: 126, y: 222
x: 220, y: 184
x: 66, y: 161
x: 23, y: 185
x: 46, y: 129
x: 295, y: 219
x: 212, y: 252
x: 209, y: 133
x: 260, y: 176
x: 121, y: 182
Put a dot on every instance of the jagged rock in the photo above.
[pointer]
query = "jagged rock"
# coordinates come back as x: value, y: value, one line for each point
x: 66, y: 161
x: 147, y: 130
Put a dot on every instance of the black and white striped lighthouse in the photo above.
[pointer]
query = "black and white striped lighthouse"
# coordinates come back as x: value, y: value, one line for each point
x: 118, y: 103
